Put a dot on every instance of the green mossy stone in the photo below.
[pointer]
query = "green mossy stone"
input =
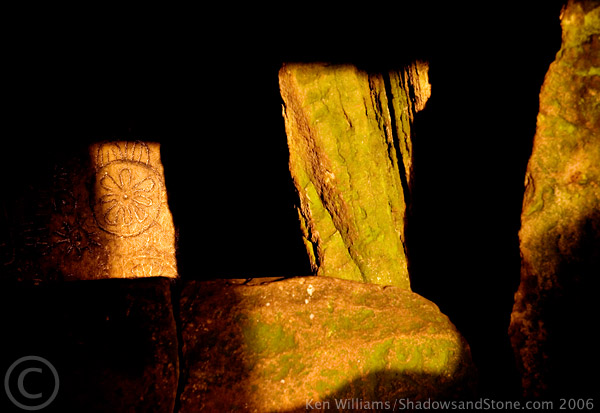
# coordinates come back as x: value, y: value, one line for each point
x: 343, y: 130
x: 275, y: 345
x: 560, y: 223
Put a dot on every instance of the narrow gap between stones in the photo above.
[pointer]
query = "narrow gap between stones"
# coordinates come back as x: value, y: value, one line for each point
x: 182, y: 374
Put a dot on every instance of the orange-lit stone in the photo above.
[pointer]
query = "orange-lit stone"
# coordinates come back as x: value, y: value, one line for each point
x: 130, y: 208
x: 275, y: 345
x: 553, y: 316
x: 96, y: 212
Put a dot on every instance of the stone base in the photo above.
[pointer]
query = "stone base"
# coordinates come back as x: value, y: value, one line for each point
x: 266, y: 345
x: 278, y: 345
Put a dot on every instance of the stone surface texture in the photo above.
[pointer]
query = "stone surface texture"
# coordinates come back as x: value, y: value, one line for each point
x: 101, y: 213
x: 274, y: 346
x: 349, y: 137
x: 130, y: 206
x: 560, y: 223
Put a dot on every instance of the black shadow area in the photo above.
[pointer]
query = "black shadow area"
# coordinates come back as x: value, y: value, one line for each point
x: 97, y: 346
x: 471, y: 147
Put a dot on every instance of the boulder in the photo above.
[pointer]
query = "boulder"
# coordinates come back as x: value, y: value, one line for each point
x: 349, y: 137
x: 553, y: 312
x: 292, y: 344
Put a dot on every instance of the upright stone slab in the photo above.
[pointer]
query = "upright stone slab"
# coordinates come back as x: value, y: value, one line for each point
x: 554, y: 316
x: 100, y: 212
x: 130, y: 207
x: 350, y: 158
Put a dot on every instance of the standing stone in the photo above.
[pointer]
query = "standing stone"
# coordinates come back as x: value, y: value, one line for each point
x: 553, y: 319
x: 101, y: 213
x: 350, y: 149
x: 130, y: 206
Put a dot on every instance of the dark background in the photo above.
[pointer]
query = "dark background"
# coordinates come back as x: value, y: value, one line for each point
x: 204, y: 84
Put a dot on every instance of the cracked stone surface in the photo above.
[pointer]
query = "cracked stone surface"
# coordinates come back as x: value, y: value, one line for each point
x: 349, y: 137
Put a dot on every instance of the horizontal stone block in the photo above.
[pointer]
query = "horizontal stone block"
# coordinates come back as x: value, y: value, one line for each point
x: 276, y: 345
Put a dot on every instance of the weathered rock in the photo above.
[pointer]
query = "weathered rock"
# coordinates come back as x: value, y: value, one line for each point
x: 350, y: 149
x: 551, y: 324
x: 113, y: 344
x: 97, y: 215
x: 277, y: 345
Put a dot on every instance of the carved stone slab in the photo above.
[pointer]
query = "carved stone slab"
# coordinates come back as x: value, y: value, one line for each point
x: 101, y: 214
x: 130, y: 208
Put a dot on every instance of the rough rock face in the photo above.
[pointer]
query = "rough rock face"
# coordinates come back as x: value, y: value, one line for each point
x: 278, y: 345
x: 112, y: 342
x: 551, y: 325
x: 350, y: 158
x: 101, y: 214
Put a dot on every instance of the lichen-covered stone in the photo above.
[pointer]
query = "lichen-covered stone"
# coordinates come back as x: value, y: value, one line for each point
x: 560, y: 222
x: 101, y: 213
x: 350, y: 158
x: 274, y: 346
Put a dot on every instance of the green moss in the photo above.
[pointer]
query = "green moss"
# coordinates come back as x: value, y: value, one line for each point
x: 323, y: 388
x: 266, y: 338
x: 348, y: 169
x: 330, y: 373
x: 359, y: 298
x: 591, y: 71
x: 331, y: 380
x: 354, y: 367
x: 344, y: 325
x: 327, y: 251
x: 432, y: 357
x: 377, y: 357
x: 409, y: 356
x: 544, y: 196
x: 284, y: 366
x: 579, y: 31
x: 440, y: 357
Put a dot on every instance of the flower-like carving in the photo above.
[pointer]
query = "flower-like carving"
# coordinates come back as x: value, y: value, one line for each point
x: 74, y: 240
x: 125, y: 199
x: 128, y: 197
